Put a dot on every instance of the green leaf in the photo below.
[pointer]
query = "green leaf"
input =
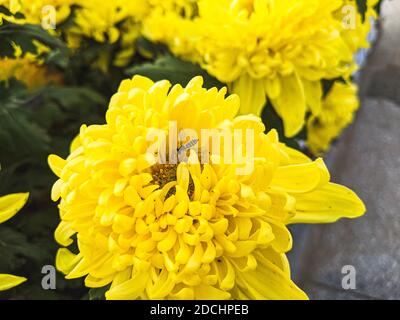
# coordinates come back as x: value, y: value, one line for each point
x: 98, y: 293
x: 4, y: 10
x: 57, y: 58
x: 24, y: 36
x: 174, y: 70
x: 155, y: 49
x: 72, y: 96
x: 14, y: 244
x: 362, y: 8
x: 19, y: 135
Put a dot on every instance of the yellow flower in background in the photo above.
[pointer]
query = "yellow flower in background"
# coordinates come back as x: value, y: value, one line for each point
x: 192, y: 229
x: 9, y: 206
x: 104, y: 22
x: 99, y: 20
x: 118, y: 20
x: 173, y: 27
x: 28, y: 71
x: 94, y: 19
x: 33, y: 10
x: 338, y: 109
x: 356, y: 32
x: 29, y: 68
x: 108, y: 22
x: 264, y: 49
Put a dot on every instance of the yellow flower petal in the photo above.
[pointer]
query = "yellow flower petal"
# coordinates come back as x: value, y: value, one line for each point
x: 278, y: 259
x: 283, y: 240
x: 163, y: 285
x: 273, y: 87
x: 205, y: 292
x: 313, y: 94
x: 75, y: 144
x: 56, y: 164
x: 8, y: 281
x: 183, y: 294
x: 300, y: 178
x: 130, y: 289
x: 327, y: 204
x: 63, y: 233
x: 268, y: 282
x: 11, y: 204
x: 291, y: 105
x: 93, y: 282
x: 251, y: 93
x: 66, y: 260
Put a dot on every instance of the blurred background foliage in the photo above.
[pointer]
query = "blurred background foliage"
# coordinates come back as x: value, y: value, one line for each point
x: 39, y: 119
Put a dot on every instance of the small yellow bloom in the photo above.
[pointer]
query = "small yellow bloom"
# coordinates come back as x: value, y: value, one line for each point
x: 338, y: 109
x: 190, y: 229
x: 9, y: 206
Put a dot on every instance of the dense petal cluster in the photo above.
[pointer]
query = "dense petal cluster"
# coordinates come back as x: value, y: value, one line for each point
x: 108, y: 22
x: 192, y: 229
x: 338, y: 109
x: 9, y: 206
x: 119, y: 20
x: 264, y: 49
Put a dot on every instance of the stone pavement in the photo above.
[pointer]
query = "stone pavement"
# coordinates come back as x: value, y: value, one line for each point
x: 367, y: 159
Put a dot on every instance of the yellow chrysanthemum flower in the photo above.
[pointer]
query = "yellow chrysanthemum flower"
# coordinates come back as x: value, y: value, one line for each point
x: 9, y: 206
x: 280, y: 50
x: 98, y: 20
x: 196, y: 228
x: 337, y: 113
x: 117, y: 20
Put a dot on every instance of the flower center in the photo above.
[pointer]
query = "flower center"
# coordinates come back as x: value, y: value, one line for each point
x: 165, y: 173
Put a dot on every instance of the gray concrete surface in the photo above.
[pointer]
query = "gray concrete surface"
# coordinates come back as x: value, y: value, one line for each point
x: 381, y: 77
